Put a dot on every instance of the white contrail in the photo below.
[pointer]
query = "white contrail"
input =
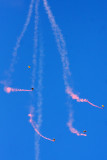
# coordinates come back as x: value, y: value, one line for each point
x: 39, y: 92
x: 39, y: 102
x: 37, y: 150
x: 63, y: 52
x: 14, y: 55
x: 60, y: 43
x: 35, y: 43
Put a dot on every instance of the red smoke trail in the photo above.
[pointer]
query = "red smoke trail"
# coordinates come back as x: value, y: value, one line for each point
x: 72, y: 129
x: 76, y: 97
x: 9, y: 89
x: 35, y: 127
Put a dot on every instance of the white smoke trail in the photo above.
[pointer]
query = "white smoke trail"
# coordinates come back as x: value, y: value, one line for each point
x: 63, y: 52
x: 60, y: 43
x: 14, y: 55
x: 37, y: 150
x: 40, y: 87
x: 35, y: 43
x: 39, y: 103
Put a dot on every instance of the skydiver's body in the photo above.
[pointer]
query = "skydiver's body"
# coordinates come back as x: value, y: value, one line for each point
x: 103, y: 106
x: 54, y: 140
x: 84, y: 131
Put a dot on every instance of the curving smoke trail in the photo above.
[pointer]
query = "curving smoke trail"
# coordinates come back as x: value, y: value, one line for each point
x: 14, y: 54
x: 63, y: 52
x: 35, y: 126
x: 76, y: 97
x: 72, y: 129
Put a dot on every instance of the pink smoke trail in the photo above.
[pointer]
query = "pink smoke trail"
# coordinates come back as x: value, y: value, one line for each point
x: 76, y: 97
x: 63, y: 52
x: 20, y: 38
x: 35, y: 127
x: 9, y: 89
x: 72, y: 129
x: 66, y: 71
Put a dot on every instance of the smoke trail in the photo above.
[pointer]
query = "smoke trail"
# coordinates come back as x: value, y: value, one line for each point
x: 35, y: 42
x: 14, y: 55
x: 63, y: 52
x: 39, y: 101
x: 60, y: 43
x: 71, y: 128
x: 35, y: 127
x: 9, y: 89
x: 39, y: 104
x: 76, y: 97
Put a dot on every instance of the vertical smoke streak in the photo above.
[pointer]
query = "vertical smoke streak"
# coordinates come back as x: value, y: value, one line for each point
x: 62, y: 50
x: 14, y: 55
x: 35, y: 42
x: 34, y: 71
x: 39, y: 101
x: 60, y: 43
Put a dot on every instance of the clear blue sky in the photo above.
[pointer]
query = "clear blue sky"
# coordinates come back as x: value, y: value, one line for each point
x: 84, y: 26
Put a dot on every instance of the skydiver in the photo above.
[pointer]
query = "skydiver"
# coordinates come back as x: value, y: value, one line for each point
x: 54, y: 140
x: 103, y: 106
x: 84, y: 131
x: 29, y: 67
x: 32, y: 89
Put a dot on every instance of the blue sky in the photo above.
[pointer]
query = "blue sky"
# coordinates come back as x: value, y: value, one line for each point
x: 84, y: 26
